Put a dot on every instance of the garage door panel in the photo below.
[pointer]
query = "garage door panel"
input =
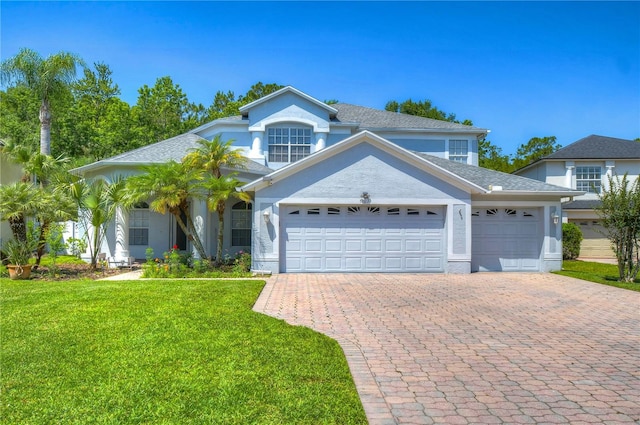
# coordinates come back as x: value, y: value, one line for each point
x: 433, y: 246
x: 377, y: 240
x: 333, y: 263
x: 393, y: 245
x: 393, y: 263
x: 333, y: 245
x: 353, y: 263
x: 313, y: 245
x: 312, y: 263
x: 413, y: 263
x: 352, y: 245
x: 373, y: 245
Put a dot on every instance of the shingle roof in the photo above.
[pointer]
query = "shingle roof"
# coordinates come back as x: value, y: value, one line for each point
x: 375, y: 119
x: 484, y: 177
x: 174, y: 149
x: 586, y: 204
x: 598, y: 147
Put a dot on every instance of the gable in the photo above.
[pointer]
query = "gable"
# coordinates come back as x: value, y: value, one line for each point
x: 289, y: 107
x: 363, y: 167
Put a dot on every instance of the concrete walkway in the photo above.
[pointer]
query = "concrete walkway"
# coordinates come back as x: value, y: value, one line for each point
x: 485, y: 348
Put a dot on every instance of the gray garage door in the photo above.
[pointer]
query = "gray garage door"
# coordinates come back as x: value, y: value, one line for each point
x: 506, y: 239
x: 362, y: 238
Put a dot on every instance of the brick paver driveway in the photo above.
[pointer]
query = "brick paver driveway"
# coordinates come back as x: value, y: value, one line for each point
x: 484, y: 348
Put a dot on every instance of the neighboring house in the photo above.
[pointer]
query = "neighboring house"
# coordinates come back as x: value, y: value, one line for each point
x: 585, y: 166
x: 9, y: 173
x: 347, y: 188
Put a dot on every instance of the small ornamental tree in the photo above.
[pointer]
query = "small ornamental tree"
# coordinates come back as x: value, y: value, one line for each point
x: 620, y: 218
x: 571, y: 239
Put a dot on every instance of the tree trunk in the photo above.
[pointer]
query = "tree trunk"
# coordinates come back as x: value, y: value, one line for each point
x: 18, y: 228
x: 194, y: 238
x: 45, y: 128
x: 220, y: 211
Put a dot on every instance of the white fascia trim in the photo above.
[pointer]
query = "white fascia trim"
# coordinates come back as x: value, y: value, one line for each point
x: 284, y: 90
x: 104, y: 164
x: 476, y: 132
x: 220, y: 121
x: 264, y: 123
x: 503, y: 193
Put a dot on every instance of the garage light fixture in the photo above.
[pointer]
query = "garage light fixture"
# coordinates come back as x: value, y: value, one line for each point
x: 365, y: 198
x: 266, y: 217
x: 555, y: 217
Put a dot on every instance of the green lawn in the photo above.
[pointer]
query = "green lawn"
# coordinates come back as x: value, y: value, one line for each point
x: 606, y: 274
x: 170, y: 352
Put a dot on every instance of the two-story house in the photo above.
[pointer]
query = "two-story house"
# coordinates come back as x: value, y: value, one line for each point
x: 345, y: 188
x: 586, y: 165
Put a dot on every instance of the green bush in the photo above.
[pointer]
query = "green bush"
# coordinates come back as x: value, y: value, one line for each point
x: 571, y: 238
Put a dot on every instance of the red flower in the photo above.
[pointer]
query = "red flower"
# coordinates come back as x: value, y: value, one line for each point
x: 175, y: 247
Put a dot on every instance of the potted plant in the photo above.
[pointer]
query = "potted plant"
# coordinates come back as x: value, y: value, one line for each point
x: 18, y: 254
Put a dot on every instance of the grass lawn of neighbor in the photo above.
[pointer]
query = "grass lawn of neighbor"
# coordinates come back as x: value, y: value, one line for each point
x: 170, y: 352
x: 606, y: 274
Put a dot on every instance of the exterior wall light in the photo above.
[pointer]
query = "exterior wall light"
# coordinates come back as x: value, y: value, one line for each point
x: 555, y: 217
x: 365, y: 198
x: 266, y: 217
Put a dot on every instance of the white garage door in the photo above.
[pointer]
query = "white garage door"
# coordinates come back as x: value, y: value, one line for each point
x: 506, y: 239
x: 594, y: 243
x: 363, y: 238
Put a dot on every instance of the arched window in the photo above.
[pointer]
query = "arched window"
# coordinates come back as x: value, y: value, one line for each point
x: 241, y: 224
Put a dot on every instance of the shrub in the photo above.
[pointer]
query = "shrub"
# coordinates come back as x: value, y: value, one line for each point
x: 571, y: 238
x: 242, y: 262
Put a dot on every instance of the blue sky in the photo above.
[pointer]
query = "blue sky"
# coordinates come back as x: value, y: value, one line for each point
x: 520, y: 69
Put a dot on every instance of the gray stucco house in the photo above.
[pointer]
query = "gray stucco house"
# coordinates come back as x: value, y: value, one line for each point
x: 586, y: 165
x: 345, y: 188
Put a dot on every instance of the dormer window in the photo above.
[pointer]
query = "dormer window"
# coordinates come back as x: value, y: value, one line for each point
x: 459, y: 150
x: 288, y: 144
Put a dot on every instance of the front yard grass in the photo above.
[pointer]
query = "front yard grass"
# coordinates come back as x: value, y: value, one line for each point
x: 606, y: 274
x: 171, y: 352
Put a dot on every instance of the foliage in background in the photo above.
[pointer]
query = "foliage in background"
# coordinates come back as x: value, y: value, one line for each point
x: 619, y: 214
x: 46, y: 78
x: 571, y: 239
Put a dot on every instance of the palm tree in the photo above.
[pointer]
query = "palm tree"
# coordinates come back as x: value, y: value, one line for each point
x: 97, y: 201
x: 220, y: 190
x: 46, y: 77
x: 212, y: 156
x: 18, y: 201
x: 21, y: 200
x: 170, y: 186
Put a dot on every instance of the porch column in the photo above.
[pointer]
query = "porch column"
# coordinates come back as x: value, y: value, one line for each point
x: 122, y: 234
x: 321, y: 141
x: 199, y: 220
x: 256, y: 145
x: 610, y: 166
x: 569, y: 165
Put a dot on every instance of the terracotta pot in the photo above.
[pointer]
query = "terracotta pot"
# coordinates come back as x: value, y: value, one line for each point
x: 19, y: 272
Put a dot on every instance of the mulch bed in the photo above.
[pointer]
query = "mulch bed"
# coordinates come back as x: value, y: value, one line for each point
x: 74, y: 271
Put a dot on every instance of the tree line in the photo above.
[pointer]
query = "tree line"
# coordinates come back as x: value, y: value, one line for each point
x: 47, y: 107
